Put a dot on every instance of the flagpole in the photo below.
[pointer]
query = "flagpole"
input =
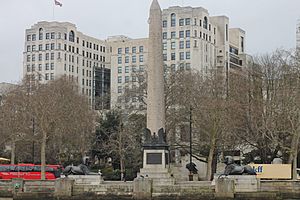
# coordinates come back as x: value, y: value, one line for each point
x: 53, y: 12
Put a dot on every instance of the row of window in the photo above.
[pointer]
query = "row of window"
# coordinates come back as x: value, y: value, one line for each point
x: 86, y: 73
x: 186, y: 35
x: 127, y: 79
x: 32, y: 68
x: 182, y: 56
x: 88, y: 91
x: 133, y: 69
x: 48, y: 56
x: 86, y: 82
x: 53, y: 35
x: 133, y: 50
x: 186, y: 21
x: 40, y: 77
x: 133, y: 59
x: 181, y: 45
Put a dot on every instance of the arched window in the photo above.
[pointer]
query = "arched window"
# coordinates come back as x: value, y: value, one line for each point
x: 40, y: 34
x: 173, y: 20
x: 71, y: 36
x: 205, y: 23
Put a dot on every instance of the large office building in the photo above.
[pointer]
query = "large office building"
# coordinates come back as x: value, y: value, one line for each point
x: 191, y: 40
x: 111, y: 70
x: 56, y: 49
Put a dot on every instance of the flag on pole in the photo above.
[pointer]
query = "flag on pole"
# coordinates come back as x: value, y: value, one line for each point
x: 57, y: 3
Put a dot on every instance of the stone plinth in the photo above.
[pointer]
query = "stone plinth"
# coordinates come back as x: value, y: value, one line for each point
x: 64, y: 187
x: 142, y: 188
x: 87, y: 179
x: 224, y: 188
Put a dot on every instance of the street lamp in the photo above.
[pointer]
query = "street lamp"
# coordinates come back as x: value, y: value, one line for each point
x: 191, y: 159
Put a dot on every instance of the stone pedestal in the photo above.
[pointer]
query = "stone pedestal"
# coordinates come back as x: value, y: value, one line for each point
x: 224, y: 188
x: 142, y: 188
x: 156, y: 166
x: 87, y: 179
x: 64, y: 187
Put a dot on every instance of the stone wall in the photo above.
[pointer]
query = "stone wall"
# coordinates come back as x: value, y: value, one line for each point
x: 272, y: 189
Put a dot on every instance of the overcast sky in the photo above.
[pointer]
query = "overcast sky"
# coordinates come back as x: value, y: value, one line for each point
x: 269, y: 24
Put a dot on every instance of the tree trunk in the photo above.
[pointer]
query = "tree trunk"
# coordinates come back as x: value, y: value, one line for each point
x: 295, y: 167
x: 122, y: 168
x: 13, y: 153
x: 211, y: 156
x: 43, y: 156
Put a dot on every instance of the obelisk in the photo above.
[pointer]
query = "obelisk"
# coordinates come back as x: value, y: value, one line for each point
x: 155, y: 148
x: 155, y: 87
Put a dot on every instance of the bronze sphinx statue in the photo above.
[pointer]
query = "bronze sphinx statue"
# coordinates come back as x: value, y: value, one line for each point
x: 235, y: 169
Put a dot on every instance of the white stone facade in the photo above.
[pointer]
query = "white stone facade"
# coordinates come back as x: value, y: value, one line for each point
x: 54, y: 49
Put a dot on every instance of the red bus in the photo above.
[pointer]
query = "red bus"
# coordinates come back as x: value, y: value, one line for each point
x: 29, y: 171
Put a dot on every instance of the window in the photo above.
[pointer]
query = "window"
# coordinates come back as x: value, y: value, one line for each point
x: 33, y: 57
x: 141, y: 58
x: 40, y: 67
x: 141, y: 49
x: 40, y: 47
x: 187, y: 55
x: 119, y: 70
x: 119, y: 89
x: 187, y: 33
x: 52, y: 56
x: 181, y: 44
x: 40, y: 57
x: 164, y: 46
x: 127, y: 50
x: 33, y: 67
x: 133, y: 78
x: 28, y: 68
x: 181, y: 22
x: 126, y: 79
x: 226, y: 32
x: 133, y: 50
x: 33, y: 48
x: 195, y: 21
x: 195, y: 33
x: 71, y: 36
x: 173, y: 45
x: 142, y: 68
x: 188, y: 66
x: 173, y: 57
x: 209, y: 27
x: 119, y: 60
x: 52, y: 76
x: 126, y: 59
x: 28, y: 48
x: 40, y: 34
x: 173, y: 20
x: 187, y: 44
x: 133, y: 69
x: 205, y: 23
x: 126, y: 69
x: 181, y: 34
x: 200, y: 22
x: 47, y: 56
x: 47, y: 47
x: 133, y: 59
x: 28, y: 37
x: 52, y: 35
x: 40, y: 77
x: 164, y: 35
x: 47, y: 66
x: 46, y: 76
x: 119, y: 50
x: 195, y: 43
x: 165, y: 57
x: 119, y: 79
x: 47, y: 36
x: 173, y: 34
x: 181, y: 55
x: 165, y: 23
x: 187, y: 21
x: 33, y: 37
x: 52, y: 46
x: 28, y: 58
x: 52, y: 66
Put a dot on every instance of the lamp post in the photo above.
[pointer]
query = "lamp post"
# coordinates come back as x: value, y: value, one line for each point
x: 191, y: 159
